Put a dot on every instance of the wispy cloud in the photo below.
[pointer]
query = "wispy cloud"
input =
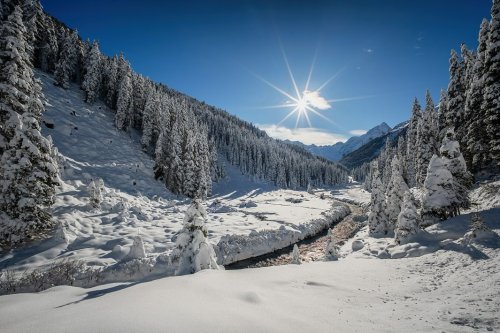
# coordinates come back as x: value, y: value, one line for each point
x: 357, y: 132
x: 368, y: 50
x: 305, y: 135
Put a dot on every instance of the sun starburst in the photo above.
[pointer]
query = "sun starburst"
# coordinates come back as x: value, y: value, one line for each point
x: 303, y: 102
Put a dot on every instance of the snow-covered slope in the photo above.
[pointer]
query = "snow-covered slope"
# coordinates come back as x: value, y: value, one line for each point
x: 455, y: 289
x: 135, y: 203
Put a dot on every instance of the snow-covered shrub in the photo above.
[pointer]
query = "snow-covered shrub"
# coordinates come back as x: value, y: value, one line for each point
x: 95, y: 190
x: 63, y: 272
x: 478, y: 230
x: 295, y: 255
x: 137, y: 250
x: 192, y: 251
x: 331, y: 251
x: 408, y: 220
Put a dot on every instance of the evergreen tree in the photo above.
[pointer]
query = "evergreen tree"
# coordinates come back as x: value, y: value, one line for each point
x: 440, y: 199
x: 93, y: 77
x: 476, y: 136
x: 192, y: 251
x: 150, y: 119
x: 395, y: 194
x: 408, y: 220
x: 95, y: 190
x: 377, y: 219
x: 124, y: 111
x: 455, y: 163
x: 411, y: 142
x: 456, y: 93
x: 491, y: 97
x: 68, y: 60
x: 426, y: 144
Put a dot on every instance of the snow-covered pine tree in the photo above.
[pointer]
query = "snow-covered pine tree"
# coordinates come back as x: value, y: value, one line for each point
x: 68, y: 60
x: 123, y: 116
x: 295, y: 255
x: 395, y: 194
x: 455, y: 163
x: 150, y: 119
x: 491, y: 97
x: 476, y: 136
x: 111, y: 81
x: 408, y: 220
x: 28, y: 170
x: 439, y: 200
x: 95, y: 190
x: 426, y: 139
x: 411, y: 142
x: 190, y: 182
x: 441, y: 114
x: 93, y: 74
x: 456, y: 92
x: 377, y: 218
x: 192, y: 251
x: 331, y: 250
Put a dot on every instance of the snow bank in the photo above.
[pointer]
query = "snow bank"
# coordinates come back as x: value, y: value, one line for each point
x: 232, y: 248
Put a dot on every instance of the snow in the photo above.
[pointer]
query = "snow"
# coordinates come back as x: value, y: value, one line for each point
x: 446, y: 291
x: 133, y: 203
x: 352, y: 193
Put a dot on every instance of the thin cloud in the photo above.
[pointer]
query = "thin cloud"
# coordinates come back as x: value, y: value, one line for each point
x: 368, y: 50
x: 357, y: 132
x: 305, y: 135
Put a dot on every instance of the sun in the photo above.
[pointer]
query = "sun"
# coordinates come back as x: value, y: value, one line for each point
x: 304, y: 102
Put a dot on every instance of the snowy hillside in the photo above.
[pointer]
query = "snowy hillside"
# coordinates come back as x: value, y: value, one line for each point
x: 251, y: 218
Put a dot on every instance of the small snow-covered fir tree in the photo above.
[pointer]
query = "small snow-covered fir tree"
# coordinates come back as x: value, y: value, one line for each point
x: 426, y: 139
x: 295, y: 255
x: 93, y: 74
x: 137, y: 250
x: 478, y: 230
x: 192, y: 251
x: 331, y: 250
x: 95, y: 190
x: 408, y: 220
x: 440, y: 199
x: 395, y: 194
x: 377, y: 219
x: 455, y: 163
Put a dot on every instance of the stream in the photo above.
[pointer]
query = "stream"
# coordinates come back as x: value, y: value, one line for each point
x: 312, y: 248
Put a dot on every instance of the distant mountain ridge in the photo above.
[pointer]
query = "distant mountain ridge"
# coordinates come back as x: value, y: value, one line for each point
x: 371, y: 149
x: 337, y: 151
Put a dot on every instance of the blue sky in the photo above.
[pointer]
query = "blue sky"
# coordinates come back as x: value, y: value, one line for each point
x: 386, y: 51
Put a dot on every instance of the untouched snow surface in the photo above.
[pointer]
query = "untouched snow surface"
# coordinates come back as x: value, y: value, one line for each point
x: 443, y: 292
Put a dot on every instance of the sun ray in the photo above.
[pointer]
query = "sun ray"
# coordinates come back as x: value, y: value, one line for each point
x: 321, y: 116
x: 279, y: 106
x: 313, y: 63
x: 288, y: 115
x: 307, y: 118
x: 275, y: 87
x: 336, y: 100
x: 331, y: 79
x: 290, y: 71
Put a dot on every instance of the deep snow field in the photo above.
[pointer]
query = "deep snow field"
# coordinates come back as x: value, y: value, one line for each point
x: 436, y: 283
